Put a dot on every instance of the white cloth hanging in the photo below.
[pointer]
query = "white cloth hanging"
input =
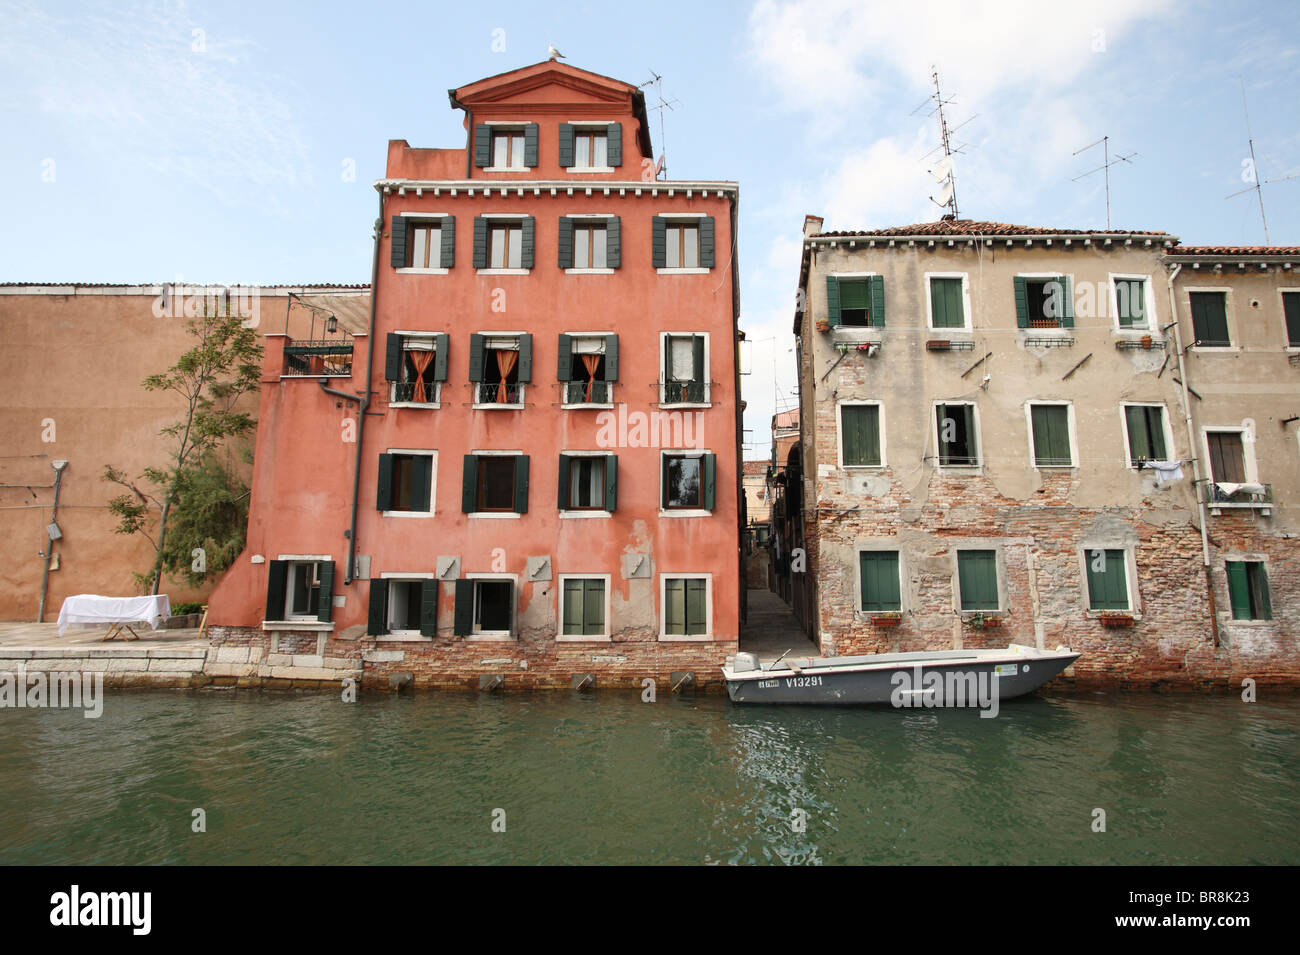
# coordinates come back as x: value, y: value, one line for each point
x: 1167, y: 471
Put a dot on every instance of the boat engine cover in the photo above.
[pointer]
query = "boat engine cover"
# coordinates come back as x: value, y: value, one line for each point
x: 745, y: 661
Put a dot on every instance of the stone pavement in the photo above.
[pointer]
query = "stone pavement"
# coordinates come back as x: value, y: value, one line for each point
x: 772, y: 629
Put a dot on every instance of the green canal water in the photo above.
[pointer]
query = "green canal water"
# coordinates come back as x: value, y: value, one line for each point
x: 609, y: 779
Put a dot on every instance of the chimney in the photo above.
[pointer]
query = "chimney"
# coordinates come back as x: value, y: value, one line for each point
x: 812, y: 225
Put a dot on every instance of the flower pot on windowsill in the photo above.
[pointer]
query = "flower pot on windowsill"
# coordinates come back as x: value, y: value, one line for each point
x: 938, y: 344
x: 823, y: 326
x: 1116, y: 620
x: 984, y: 621
x: 889, y: 619
x: 1146, y: 341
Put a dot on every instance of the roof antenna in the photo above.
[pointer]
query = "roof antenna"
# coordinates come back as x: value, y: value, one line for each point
x: 1106, y: 163
x: 657, y: 81
x: 1251, y: 174
x: 943, y: 169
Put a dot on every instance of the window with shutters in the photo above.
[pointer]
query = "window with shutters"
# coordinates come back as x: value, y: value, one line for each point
x: 1248, y: 590
x: 299, y: 587
x: 956, y: 435
x: 406, y: 483
x: 587, y: 368
x: 862, y: 441
x: 500, y: 365
x: 304, y: 591
x: 1107, y: 573
x: 493, y: 607
x: 878, y: 581
x: 1051, y: 434
x: 587, y: 483
x: 424, y: 241
x: 420, y: 370
x: 688, y: 483
x: 584, y: 607
x: 684, y: 368
x: 1291, y: 315
x: 1145, y: 430
x: 505, y: 245
x: 495, y: 484
x: 590, y: 149
x: 683, y: 244
x: 947, y: 302
x: 1226, y: 452
x: 1044, y: 301
x: 855, y: 300
x: 686, y: 606
x: 1210, y: 319
x: 1132, y: 302
x: 590, y: 244
x: 406, y: 605
x: 977, y: 580
x: 508, y: 150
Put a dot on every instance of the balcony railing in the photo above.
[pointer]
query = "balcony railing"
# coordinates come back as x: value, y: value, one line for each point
x: 405, y: 391
x: 575, y: 393
x: 493, y: 393
x: 683, y: 392
x: 1241, y: 497
x: 314, y: 358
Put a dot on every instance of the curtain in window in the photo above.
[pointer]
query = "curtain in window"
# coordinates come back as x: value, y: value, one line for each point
x: 420, y: 360
x: 506, y: 361
x: 590, y: 362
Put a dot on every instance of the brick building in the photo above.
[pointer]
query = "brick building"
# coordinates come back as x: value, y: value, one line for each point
x: 1017, y: 434
x: 531, y: 469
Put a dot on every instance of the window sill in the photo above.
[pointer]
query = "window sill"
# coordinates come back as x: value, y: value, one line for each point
x: 578, y: 170
x: 1098, y: 614
x: 685, y: 512
x: 505, y: 168
x: 313, y: 624
x: 1215, y: 349
x: 955, y: 330
x: 494, y: 406
x: 415, y: 271
x: 584, y: 638
x: 403, y: 636
x: 683, y: 271
x: 864, y: 467
x: 588, y: 271
x: 491, y: 636
x: 407, y: 513
x: 1055, y: 467
x: 870, y: 334
x: 492, y: 515
x: 960, y: 470
x: 677, y: 638
x: 504, y: 271
x: 574, y: 515
x: 1226, y: 619
x: 607, y: 406
x: 1137, y: 333
x: 429, y: 405
x: 686, y: 404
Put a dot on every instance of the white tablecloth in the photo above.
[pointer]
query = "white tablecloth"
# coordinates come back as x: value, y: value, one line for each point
x: 92, y: 610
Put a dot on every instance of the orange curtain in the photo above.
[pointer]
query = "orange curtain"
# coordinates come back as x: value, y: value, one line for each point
x: 420, y: 359
x: 590, y: 362
x: 505, y: 364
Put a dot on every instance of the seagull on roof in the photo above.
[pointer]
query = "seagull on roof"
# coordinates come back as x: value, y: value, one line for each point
x: 553, y: 53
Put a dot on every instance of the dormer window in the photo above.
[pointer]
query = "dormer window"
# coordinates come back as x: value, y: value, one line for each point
x: 505, y: 146
x: 589, y: 149
x: 591, y: 146
x: 508, y: 149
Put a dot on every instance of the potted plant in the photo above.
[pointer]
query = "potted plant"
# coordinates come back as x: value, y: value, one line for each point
x: 983, y: 621
x: 890, y: 618
x: 843, y: 348
x: 938, y: 344
x: 1116, y: 620
x: 1146, y: 341
x: 823, y: 325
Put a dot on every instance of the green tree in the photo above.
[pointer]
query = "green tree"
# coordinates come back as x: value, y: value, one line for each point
x: 193, y: 498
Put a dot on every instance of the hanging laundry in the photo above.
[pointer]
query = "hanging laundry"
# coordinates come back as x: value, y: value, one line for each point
x: 1167, y: 471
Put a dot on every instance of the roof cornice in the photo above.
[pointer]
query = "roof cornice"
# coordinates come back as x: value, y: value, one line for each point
x: 454, y: 188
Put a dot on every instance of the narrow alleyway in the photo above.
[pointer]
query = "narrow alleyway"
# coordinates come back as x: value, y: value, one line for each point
x: 772, y: 629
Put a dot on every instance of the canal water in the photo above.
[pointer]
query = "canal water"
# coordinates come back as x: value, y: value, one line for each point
x: 610, y: 779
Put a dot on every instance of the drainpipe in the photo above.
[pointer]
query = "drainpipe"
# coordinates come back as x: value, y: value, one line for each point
x: 1196, y: 460
x: 49, y: 546
x: 362, y: 400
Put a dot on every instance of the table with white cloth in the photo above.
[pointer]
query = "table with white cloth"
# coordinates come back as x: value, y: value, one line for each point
x: 92, y: 610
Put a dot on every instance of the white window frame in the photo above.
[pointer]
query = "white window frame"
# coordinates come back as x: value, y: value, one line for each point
x: 999, y: 565
x: 594, y: 215
x: 1130, y: 578
x: 588, y: 125
x: 663, y: 380
x: 684, y: 511
x: 839, y: 435
x: 1234, y: 338
x: 412, y: 270
x: 565, y: 513
x: 436, y: 403
x: 288, y: 589
x: 1248, y: 461
x: 490, y: 515
x: 853, y: 333
x: 505, y: 125
x: 495, y: 636
x: 1152, y: 326
x: 664, y: 636
x: 1164, y: 421
x: 965, y: 301
x: 433, y: 480
x: 682, y: 219
x: 404, y: 634
x: 875, y: 545
x: 1281, y: 305
x: 1070, y: 425
x: 522, y: 386
x: 1061, y: 330
x: 560, y: 635
x: 596, y: 405
x: 979, y: 437
x: 506, y: 218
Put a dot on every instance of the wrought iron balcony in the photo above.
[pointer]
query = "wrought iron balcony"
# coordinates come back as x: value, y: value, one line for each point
x: 575, y: 392
x: 494, y: 393
x: 683, y: 392
x: 405, y: 391
x: 318, y: 357
x: 1246, y: 497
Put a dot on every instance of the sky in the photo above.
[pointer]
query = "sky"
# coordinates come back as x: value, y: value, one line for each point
x: 237, y: 143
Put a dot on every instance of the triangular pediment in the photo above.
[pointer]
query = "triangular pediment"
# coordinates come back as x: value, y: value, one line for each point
x: 545, y: 83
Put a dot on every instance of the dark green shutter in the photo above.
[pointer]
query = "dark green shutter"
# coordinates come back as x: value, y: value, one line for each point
x: 877, y: 283
x: 611, y: 482
x: 1067, y: 301
x: 1130, y: 302
x: 1238, y: 589
x: 709, y: 480
x: 463, y: 622
x: 614, y: 145
x: 475, y: 357
x: 1051, y: 435
x: 325, y: 609
x: 525, y: 366
x: 562, y: 483
x: 861, y: 435
x: 521, y: 484
x: 384, y: 489
x: 564, y: 358
x: 429, y: 607
x: 1263, y: 605
x: 566, y: 144
x: 706, y: 242
x: 946, y: 305
x: 482, y: 145
x: 526, y: 245
x: 393, y: 358
x: 1022, y: 302
x: 1291, y: 308
x: 398, y: 245
x: 1107, y: 588
x: 613, y: 242
x: 879, y: 580
x: 421, y: 482
x: 530, y: 145
x: 1210, y: 318
x: 469, y: 485
x: 833, y: 299
x: 697, y: 364
x: 447, y: 255
x: 378, y: 617
x: 441, y: 347
x: 977, y: 573
x: 1139, y: 443
x: 611, y: 357
x: 697, y: 613
x: 480, y: 242
x: 277, y: 585
x: 658, y: 242
x: 565, y: 242
x: 593, y: 606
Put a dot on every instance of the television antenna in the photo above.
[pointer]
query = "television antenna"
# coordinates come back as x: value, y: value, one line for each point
x: 657, y: 81
x: 1106, y: 163
x: 943, y: 170
x: 1258, y: 187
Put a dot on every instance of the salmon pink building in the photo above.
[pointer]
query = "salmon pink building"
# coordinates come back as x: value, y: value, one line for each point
x: 526, y: 470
